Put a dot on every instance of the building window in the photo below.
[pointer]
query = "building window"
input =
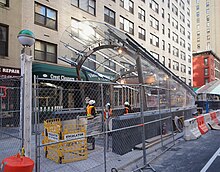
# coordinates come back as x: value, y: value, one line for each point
x: 143, y: 1
x: 182, y: 4
x: 208, y: 37
x: 207, y: 11
x: 109, y: 64
x: 162, y: 12
x: 154, y: 23
x: 154, y: 40
x: 168, y: 33
x: 155, y: 55
x: 168, y: 3
x: 175, y: 65
x: 188, y: 35
x: 188, y: 11
x: 206, y: 72
x: 182, y: 17
x: 89, y: 63
x: 189, y: 47
x: 175, y: 51
x: 190, y: 82
x: 208, y: 24
x: 141, y: 14
x: 188, y: 23
x: 174, y: 9
x: 169, y: 48
x: 169, y: 63
x: 86, y: 5
x: 45, y: 16
x: 4, y: 2
x: 189, y: 71
x: 206, y: 81
x: 3, y: 40
x: 182, y: 30
x: 126, y: 25
x: 154, y: 6
x: 189, y: 59
x: 163, y: 44
x: 206, y: 61
x: 163, y: 60
x: 208, y: 46
x: 207, y: 18
x: 109, y: 16
x: 183, y: 68
x: 182, y: 42
x: 182, y: 55
x: 141, y: 33
x: 163, y: 29
x: 45, y: 51
x: 128, y: 5
x: 175, y: 23
x: 198, y: 46
x: 168, y: 18
x: 175, y: 37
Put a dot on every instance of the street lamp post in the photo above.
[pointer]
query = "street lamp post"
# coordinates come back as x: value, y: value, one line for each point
x: 27, y: 39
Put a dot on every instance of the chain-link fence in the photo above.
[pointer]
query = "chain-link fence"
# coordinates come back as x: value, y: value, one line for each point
x: 10, y: 122
x: 110, y: 140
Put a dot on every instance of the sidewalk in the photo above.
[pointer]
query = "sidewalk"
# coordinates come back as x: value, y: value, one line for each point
x: 189, y: 156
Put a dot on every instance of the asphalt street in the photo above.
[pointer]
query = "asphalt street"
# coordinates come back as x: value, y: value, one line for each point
x: 191, y: 156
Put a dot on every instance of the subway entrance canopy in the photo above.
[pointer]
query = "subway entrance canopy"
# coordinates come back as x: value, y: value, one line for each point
x: 105, y: 52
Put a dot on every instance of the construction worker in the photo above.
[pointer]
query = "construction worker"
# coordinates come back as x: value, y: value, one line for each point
x: 107, y: 111
x: 91, y: 113
x: 91, y: 110
x: 127, y: 108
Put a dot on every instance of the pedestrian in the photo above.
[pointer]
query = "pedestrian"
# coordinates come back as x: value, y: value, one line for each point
x: 127, y: 108
x: 91, y: 110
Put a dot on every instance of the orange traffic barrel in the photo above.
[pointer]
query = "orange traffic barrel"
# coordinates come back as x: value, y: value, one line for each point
x: 17, y: 163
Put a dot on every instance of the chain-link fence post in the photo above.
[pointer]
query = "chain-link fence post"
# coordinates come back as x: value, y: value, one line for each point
x: 161, y: 125
x: 104, y: 129
x: 35, y: 122
x: 142, y: 123
x: 170, y: 108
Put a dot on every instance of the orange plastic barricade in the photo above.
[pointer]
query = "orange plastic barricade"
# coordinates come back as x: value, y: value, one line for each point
x: 214, y: 117
x: 201, y: 124
x: 17, y: 163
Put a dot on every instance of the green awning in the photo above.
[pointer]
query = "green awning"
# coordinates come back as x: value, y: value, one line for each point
x: 56, y: 72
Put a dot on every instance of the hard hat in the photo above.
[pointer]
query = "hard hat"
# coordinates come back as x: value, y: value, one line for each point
x: 126, y: 103
x: 91, y: 102
x: 107, y: 104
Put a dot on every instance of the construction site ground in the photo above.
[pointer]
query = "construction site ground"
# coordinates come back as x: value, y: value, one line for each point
x: 183, y: 156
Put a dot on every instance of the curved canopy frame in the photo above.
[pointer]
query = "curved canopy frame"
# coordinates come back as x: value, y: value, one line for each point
x: 115, y: 56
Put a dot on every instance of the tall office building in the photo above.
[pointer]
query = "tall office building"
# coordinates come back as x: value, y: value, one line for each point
x: 205, y: 25
x: 206, y: 38
x: 161, y: 26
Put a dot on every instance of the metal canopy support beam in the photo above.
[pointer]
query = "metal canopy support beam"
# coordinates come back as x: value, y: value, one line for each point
x: 84, y: 57
x: 140, y: 78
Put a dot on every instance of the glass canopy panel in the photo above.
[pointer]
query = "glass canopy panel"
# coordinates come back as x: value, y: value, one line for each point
x: 114, y: 54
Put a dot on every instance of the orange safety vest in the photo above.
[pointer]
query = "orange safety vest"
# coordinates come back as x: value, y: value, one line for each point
x: 126, y: 110
x: 109, y: 115
x: 89, y: 110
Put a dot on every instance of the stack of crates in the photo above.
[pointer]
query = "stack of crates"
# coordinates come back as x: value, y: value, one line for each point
x: 65, y: 151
